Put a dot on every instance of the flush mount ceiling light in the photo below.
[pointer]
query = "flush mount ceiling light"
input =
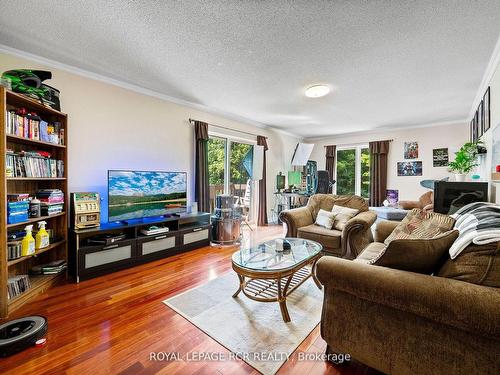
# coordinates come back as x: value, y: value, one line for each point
x: 317, y: 91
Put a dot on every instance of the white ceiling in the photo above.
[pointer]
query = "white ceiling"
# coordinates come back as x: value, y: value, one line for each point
x: 389, y: 63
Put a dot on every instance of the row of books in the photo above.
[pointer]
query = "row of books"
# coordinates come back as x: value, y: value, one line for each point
x: 29, y: 125
x: 32, y: 164
x: 52, y: 201
x: 17, y: 285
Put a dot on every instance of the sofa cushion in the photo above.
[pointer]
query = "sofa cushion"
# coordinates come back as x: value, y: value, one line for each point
x: 327, y: 237
x: 325, y: 219
x: 477, y: 264
x: 327, y: 201
x: 421, y: 256
x: 343, y: 215
x: 419, y: 224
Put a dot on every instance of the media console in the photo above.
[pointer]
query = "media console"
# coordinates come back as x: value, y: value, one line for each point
x: 88, y: 260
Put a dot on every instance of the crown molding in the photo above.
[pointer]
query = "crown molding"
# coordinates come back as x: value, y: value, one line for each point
x: 135, y: 88
x: 387, y: 129
x: 488, y: 75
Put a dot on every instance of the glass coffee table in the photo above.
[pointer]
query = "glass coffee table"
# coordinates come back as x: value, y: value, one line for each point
x: 268, y: 275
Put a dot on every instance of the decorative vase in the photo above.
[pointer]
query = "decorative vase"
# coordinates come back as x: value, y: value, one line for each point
x: 460, y: 177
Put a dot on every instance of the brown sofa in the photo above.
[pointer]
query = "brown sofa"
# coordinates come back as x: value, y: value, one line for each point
x: 347, y: 243
x: 401, y: 322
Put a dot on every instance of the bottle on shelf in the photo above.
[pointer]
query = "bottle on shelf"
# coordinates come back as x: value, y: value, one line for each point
x: 28, y: 243
x: 42, y: 237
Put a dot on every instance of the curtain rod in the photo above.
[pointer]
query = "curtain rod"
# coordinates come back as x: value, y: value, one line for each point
x: 356, y: 143
x: 225, y: 127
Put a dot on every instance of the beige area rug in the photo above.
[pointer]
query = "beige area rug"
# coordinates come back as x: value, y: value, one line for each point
x: 253, y: 330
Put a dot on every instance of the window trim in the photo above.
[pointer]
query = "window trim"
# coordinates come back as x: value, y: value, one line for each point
x: 357, y: 168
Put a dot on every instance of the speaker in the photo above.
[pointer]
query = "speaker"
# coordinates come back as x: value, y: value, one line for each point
x: 323, y: 183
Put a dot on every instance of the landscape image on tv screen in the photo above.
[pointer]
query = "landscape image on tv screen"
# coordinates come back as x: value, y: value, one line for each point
x: 137, y: 194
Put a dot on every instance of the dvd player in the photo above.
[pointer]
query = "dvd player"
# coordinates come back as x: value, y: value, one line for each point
x: 153, y: 229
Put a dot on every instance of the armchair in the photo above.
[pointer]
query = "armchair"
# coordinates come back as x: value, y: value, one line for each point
x: 347, y: 243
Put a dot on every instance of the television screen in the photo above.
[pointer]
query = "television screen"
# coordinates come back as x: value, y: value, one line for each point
x: 450, y: 196
x: 140, y: 194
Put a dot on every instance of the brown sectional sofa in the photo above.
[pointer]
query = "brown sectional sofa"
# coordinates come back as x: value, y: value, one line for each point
x: 347, y: 243
x: 401, y: 322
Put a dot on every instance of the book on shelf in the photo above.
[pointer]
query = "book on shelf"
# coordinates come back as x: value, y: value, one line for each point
x: 22, y: 123
x: 53, y: 268
x: 52, y: 201
x: 17, y: 285
x: 32, y: 164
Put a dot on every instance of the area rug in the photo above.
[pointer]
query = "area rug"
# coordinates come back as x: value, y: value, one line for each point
x: 253, y: 330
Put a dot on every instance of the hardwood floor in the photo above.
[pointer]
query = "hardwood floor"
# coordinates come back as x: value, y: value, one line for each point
x: 111, y: 324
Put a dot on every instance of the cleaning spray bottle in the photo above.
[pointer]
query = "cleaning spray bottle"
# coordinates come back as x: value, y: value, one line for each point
x: 28, y: 242
x: 42, y: 237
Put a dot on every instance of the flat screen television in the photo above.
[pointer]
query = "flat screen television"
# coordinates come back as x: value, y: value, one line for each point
x: 142, y: 194
x: 450, y: 196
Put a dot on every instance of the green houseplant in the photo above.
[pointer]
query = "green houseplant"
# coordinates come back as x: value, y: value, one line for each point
x: 465, y: 160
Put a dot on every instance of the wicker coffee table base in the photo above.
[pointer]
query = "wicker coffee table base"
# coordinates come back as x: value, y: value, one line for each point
x: 269, y: 286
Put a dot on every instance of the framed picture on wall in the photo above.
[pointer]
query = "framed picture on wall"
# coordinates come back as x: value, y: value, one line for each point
x: 410, y: 168
x: 486, y: 110
x: 480, y: 111
x: 411, y: 150
x: 440, y: 157
x: 471, y: 131
x: 476, y: 127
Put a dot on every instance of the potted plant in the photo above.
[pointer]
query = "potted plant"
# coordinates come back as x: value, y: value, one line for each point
x: 465, y: 160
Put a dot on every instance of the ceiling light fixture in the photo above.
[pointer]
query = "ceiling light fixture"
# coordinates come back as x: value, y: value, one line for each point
x: 317, y: 91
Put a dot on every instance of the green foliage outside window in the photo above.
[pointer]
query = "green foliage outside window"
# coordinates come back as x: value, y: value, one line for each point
x: 346, y: 172
x: 216, y: 161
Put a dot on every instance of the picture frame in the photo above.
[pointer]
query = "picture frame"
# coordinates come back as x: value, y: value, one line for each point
x: 476, y: 127
x: 440, y: 157
x: 480, y: 126
x: 487, y: 110
x: 409, y: 168
x: 410, y: 150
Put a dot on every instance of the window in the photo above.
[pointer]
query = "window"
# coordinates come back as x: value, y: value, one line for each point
x: 229, y: 171
x: 353, y: 171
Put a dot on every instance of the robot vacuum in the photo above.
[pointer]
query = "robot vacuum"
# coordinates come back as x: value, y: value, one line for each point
x: 19, y: 334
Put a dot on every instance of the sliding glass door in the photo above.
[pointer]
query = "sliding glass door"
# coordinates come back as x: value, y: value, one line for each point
x: 230, y: 169
x: 216, y: 167
x: 353, y: 171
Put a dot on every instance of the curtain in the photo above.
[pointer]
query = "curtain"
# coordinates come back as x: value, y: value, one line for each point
x: 378, y: 172
x: 330, y: 163
x: 201, y: 187
x: 262, y: 215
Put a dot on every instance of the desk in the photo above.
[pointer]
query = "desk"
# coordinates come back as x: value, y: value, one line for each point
x: 285, y: 201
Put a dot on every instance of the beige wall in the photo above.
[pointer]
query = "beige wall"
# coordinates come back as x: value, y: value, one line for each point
x: 115, y: 128
x: 428, y: 138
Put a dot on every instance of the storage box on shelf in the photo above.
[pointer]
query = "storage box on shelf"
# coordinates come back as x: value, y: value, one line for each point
x: 33, y: 160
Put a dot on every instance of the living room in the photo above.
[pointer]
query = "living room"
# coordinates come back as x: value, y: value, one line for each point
x: 330, y: 181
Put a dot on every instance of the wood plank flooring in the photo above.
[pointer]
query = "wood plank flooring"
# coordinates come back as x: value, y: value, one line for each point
x: 111, y: 324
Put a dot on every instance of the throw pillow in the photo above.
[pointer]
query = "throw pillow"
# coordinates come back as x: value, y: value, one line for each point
x: 420, y: 224
x: 476, y: 264
x: 414, y: 255
x: 325, y: 219
x: 343, y: 215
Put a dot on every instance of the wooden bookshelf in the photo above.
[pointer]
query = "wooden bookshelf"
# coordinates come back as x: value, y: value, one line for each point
x: 10, y: 185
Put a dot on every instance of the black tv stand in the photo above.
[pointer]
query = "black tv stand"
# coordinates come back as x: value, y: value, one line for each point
x: 186, y: 232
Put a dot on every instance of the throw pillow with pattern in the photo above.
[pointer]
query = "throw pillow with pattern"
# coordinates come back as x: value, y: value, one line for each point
x: 419, y: 224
